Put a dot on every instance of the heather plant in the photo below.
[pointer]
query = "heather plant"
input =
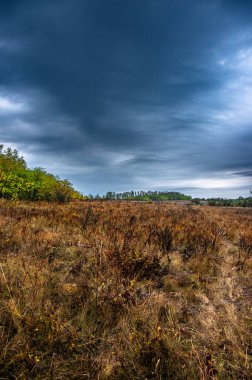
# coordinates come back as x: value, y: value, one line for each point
x: 120, y: 290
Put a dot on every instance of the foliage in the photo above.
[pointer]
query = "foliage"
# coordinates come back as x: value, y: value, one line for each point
x: 17, y: 182
x: 147, y: 195
x: 239, y: 202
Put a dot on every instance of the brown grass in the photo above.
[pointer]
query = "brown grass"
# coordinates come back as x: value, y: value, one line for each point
x: 117, y: 290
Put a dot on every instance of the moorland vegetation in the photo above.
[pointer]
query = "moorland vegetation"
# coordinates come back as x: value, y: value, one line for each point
x: 122, y: 290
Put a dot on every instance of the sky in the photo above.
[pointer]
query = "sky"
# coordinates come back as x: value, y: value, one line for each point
x: 130, y: 95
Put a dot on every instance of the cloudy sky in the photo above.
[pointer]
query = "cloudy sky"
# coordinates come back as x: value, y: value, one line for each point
x: 137, y: 94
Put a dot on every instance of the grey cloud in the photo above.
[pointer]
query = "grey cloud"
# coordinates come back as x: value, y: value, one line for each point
x: 124, y: 90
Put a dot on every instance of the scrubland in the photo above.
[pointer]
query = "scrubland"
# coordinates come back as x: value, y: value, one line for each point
x: 120, y: 290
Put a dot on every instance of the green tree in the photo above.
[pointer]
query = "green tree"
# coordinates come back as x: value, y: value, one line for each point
x: 18, y: 182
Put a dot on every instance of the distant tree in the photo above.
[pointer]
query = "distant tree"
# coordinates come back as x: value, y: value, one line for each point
x: 147, y: 196
x: 110, y: 195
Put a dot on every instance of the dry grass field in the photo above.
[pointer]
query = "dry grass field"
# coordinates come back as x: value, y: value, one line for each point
x: 117, y: 290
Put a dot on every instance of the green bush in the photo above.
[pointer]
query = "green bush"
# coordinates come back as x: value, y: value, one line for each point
x: 17, y: 182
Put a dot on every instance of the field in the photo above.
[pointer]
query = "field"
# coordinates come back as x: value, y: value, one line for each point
x: 120, y: 290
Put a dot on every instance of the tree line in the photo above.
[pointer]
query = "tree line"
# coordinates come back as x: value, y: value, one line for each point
x: 143, y: 196
x: 18, y: 182
x: 239, y: 202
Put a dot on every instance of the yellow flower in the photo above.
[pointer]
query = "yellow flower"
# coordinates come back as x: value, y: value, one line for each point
x: 132, y: 282
x: 158, y: 331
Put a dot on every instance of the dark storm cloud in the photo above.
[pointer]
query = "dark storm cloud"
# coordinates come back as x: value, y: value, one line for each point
x: 119, y: 94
